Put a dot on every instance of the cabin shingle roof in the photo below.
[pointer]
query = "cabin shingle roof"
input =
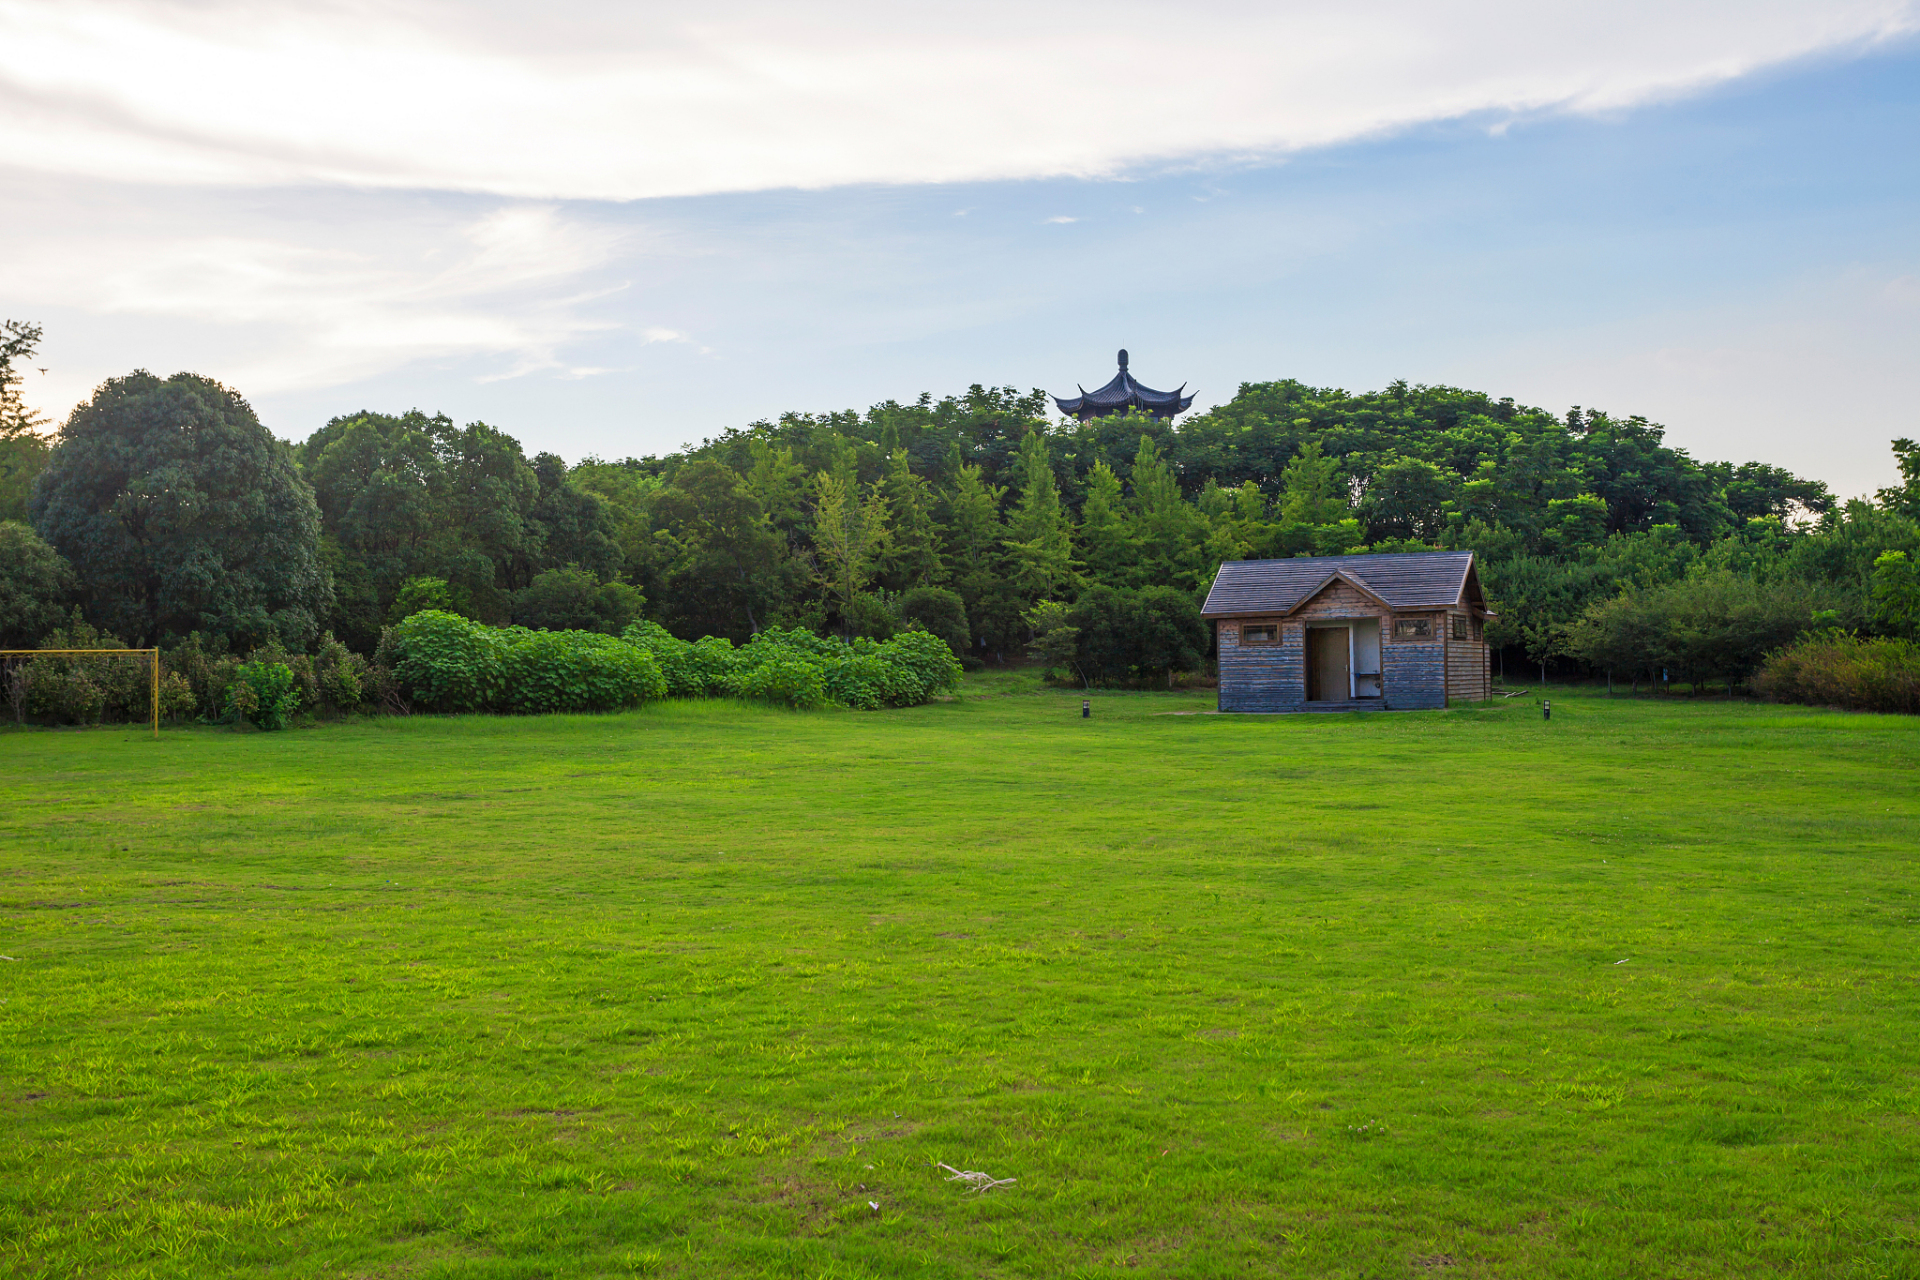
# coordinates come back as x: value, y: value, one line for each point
x: 1413, y: 580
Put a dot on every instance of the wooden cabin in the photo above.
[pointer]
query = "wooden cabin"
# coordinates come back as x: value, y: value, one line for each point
x: 1350, y: 633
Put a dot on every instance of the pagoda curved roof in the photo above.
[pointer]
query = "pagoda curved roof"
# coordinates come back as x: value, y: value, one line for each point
x: 1123, y: 393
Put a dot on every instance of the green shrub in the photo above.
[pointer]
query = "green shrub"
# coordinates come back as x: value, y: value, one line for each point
x: 1136, y: 635
x: 798, y: 640
x: 263, y: 694
x: 451, y: 664
x: 65, y: 694
x: 1834, y: 669
x: 448, y: 663
x: 785, y: 680
x: 578, y: 671
x: 926, y: 661
x: 206, y: 669
x: 342, y: 677
x: 176, y: 697
x: 673, y: 656
x: 864, y: 682
x: 80, y: 689
x: 715, y: 662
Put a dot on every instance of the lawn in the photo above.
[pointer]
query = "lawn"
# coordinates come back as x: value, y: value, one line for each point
x: 707, y: 990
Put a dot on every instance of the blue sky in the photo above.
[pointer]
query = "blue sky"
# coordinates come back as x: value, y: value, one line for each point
x: 1735, y: 253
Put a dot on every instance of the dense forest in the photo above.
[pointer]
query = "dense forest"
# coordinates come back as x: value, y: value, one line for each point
x: 163, y: 508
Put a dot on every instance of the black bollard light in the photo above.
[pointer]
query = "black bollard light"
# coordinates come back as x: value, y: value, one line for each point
x: 1086, y: 708
x: 1546, y: 711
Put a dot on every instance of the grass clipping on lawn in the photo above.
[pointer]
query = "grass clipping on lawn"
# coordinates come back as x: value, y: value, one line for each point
x: 707, y: 990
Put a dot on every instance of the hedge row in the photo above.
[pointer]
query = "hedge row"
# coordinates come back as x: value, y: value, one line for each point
x: 1840, y: 670
x: 799, y: 669
x: 443, y: 662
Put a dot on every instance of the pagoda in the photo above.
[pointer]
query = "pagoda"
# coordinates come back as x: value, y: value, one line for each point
x: 1124, y: 394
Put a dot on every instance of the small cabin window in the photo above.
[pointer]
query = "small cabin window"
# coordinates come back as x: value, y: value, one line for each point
x: 1461, y: 629
x: 1412, y: 628
x: 1262, y: 633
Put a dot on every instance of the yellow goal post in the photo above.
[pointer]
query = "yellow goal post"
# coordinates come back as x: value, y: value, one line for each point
x: 153, y: 654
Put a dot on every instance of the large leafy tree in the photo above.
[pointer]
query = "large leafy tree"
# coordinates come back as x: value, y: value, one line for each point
x: 492, y: 492
x: 36, y: 586
x: 381, y: 486
x: 731, y: 572
x: 576, y: 528
x: 180, y: 512
x: 382, y: 490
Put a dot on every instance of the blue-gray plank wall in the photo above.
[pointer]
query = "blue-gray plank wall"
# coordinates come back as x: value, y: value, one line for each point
x: 1262, y: 677
x: 1414, y: 676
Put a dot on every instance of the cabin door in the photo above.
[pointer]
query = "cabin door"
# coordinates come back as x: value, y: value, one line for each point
x: 1329, y: 663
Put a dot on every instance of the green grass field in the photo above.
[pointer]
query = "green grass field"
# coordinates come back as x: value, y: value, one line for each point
x: 688, y: 991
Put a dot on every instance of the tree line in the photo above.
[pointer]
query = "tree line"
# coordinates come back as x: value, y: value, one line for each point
x: 163, y: 508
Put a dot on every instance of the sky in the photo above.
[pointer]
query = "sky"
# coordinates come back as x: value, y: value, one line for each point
x: 615, y: 228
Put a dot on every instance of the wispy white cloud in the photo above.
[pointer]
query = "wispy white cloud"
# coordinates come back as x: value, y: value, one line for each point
x: 1062, y: 219
x: 324, y: 309
x: 599, y: 99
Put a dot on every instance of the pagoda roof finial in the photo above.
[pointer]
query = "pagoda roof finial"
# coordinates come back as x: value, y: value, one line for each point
x: 1123, y: 359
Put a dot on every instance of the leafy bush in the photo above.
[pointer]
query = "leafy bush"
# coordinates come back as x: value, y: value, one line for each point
x: 1136, y: 634
x: 448, y: 663
x: 1834, y: 669
x: 206, y: 668
x: 1710, y: 623
x: 871, y: 615
x: 786, y: 680
x: 176, y: 697
x: 263, y: 694
x: 673, y: 656
x: 451, y: 664
x: 715, y: 663
x: 78, y: 689
x: 864, y: 682
x: 342, y: 678
x: 578, y: 671
x: 928, y: 662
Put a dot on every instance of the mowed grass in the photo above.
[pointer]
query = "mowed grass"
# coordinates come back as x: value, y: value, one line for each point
x: 690, y: 991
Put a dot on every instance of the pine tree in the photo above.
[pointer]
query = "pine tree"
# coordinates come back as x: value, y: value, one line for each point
x: 1309, y: 494
x: 1168, y: 531
x: 850, y: 535
x: 1105, y: 547
x: 913, y: 556
x: 974, y: 529
x: 1039, y: 540
x: 974, y: 558
x: 778, y: 482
